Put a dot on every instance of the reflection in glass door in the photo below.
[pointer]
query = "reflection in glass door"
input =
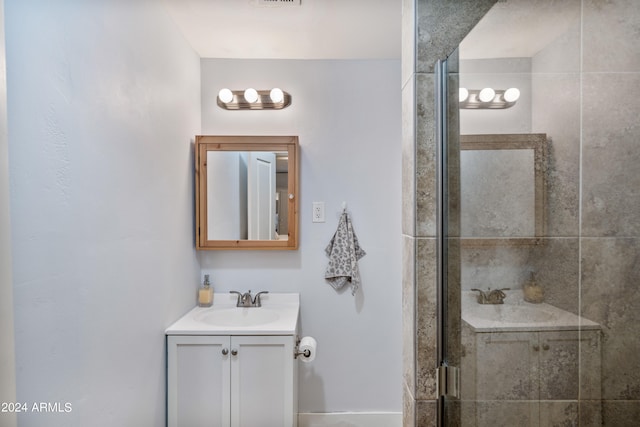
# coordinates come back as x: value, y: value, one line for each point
x: 541, y: 219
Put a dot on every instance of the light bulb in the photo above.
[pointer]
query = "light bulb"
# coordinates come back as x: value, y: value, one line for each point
x: 463, y: 94
x: 225, y: 95
x: 487, y: 94
x: 251, y: 95
x: 276, y: 95
x: 511, y: 95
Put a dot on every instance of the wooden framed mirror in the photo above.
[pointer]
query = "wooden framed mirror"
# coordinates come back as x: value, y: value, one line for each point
x: 503, y: 189
x: 246, y: 192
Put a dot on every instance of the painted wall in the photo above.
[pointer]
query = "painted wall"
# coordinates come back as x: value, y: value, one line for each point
x: 103, y: 101
x: 348, y: 117
x: 7, y: 356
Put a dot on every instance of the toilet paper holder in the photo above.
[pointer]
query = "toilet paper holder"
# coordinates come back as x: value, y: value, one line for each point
x: 305, y: 353
x: 297, y: 352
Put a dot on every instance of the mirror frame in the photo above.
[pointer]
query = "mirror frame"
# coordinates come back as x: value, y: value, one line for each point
x: 532, y: 141
x: 205, y: 143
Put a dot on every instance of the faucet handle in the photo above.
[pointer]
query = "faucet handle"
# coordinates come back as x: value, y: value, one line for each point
x: 256, y: 300
x: 482, y: 297
x: 239, y: 297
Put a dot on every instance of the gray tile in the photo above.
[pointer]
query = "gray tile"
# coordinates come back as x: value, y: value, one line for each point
x: 556, y: 112
x: 562, y: 55
x: 426, y: 189
x: 611, y: 30
x: 497, y: 413
x: 408, y: 159
x: 610, y: 277
x: 558, y: 414
x: 442, y: 25
x: 620, y: 413
x: 408, y: 313
x: 408, y: 408
x: 611, y: 155
x: 426, y: 413
x: 426, y: 319
x: 590, y: 413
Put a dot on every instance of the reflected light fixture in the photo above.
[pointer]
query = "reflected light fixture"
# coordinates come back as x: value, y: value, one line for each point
x: 463, y: 94
x: 511, y: 95
x: 252, y: 99
x: 487, y: 94
x: 488, y: 98
x: 276, y: 95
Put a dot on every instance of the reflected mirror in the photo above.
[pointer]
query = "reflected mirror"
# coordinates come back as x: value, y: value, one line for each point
x: 246, y: 192
x: 502, y: 184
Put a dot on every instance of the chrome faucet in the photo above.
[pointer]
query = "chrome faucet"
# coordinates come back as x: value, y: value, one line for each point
x: 495, y: 296
x: 245, y: 300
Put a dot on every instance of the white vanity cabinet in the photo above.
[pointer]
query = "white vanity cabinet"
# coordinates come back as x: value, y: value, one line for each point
x: 226, y: 380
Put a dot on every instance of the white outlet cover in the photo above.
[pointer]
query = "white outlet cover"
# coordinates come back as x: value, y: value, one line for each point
x: 318, y: 212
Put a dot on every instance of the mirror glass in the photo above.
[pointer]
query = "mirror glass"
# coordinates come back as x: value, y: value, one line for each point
x: 244, y: 190
x: 247, y: 192
x: 502, y: 188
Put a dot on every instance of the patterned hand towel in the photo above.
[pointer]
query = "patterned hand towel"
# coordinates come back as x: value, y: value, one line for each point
x: 344, y: 251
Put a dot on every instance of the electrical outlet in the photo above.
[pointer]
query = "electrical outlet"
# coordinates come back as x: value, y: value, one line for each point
x: 318, y: 212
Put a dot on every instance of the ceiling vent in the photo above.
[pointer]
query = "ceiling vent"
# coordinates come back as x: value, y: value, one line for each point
x: 278, y: 2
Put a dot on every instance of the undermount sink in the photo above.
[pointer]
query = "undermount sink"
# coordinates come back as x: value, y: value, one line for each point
x: 277, y: 316
x: 237, y: 316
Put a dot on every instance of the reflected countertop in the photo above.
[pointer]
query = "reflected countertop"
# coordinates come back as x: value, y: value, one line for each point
x: 518, y: 315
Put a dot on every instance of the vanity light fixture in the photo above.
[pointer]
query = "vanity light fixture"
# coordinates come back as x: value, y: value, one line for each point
x: 225, y: 95
x: 252, y: 99
x: 488, y: 98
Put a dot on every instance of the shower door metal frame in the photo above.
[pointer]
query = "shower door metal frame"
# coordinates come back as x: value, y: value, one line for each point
x: 448, y: 380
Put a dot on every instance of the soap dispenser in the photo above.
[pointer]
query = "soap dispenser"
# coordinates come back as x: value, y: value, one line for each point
x: 205, y: 293
x: 533, y: 292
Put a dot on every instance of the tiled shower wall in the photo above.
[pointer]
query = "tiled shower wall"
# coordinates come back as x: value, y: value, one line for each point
x: 610, y: 197
x: 586, y: 94
x: 432, y: 29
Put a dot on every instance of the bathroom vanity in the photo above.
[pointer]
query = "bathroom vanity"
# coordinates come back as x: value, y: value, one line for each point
x: 518, y: 365
x: 234, y: 366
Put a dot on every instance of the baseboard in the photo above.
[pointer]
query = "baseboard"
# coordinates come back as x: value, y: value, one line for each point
x: 350, y: 419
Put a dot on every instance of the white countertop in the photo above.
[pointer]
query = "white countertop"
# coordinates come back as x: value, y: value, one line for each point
x: 518, y: 315
x: 277, y: 316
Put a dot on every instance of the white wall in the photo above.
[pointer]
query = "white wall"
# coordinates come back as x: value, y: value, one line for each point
x: 348, y: 117
x: 7, y: 358
x: 103, y: 102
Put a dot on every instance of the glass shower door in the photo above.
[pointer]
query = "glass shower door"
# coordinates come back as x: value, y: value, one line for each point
x: 540, y: 230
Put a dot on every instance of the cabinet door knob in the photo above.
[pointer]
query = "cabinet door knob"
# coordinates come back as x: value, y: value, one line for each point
x: 225, y: 351
x: 545, y: 347
x: 536, y: 348
x: 234, y: 352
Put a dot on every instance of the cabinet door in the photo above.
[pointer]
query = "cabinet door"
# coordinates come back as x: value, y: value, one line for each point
x: 262, y: 376
x: 507, y: 366
x: 507, y: 384
x: 559, y: 373
x: 198, y: 381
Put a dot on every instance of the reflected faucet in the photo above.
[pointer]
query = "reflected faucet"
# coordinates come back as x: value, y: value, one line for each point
x: 495, y: 296
x: 245, y: 300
